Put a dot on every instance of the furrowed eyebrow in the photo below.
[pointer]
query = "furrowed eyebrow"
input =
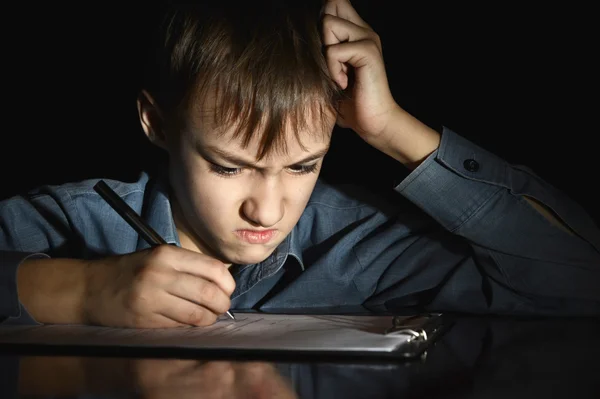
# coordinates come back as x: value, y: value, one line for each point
x: 236, y: 160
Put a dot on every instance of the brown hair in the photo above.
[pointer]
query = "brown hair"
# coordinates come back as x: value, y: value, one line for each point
x: 263, y: 59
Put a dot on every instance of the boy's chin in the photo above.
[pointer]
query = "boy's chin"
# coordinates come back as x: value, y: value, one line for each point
x: 249, y: 256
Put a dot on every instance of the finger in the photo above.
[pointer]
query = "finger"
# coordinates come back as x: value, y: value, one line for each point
x: 186, y: 312
x: 162, y: 321
x: 197, y: 264
x: 361, y: 55
x: 201, y: 292
x: 156, y: 320
x: 343, y: 9
x: 339, y: 30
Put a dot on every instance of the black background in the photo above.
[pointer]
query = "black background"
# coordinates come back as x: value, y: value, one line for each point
x: 518, y: 81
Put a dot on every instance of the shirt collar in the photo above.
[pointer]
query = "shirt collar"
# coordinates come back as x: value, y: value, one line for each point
x: 157, y: 211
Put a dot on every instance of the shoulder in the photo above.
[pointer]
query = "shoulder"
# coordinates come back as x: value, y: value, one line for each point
x: 339, y: 205
x: 84, y: 189
x: 334, y: 196
x: 75, y: 197
x: 350, y: 212
x: 352, y: 197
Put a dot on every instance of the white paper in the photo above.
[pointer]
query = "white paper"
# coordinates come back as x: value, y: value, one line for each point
x: 249, y: 331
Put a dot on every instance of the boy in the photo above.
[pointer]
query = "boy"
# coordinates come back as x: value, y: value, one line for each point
x: 244, y: 101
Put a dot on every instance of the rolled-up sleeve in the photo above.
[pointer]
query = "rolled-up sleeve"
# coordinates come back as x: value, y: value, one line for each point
x: 11, y: 309
x: 30, y: 227
x: 477, y: 195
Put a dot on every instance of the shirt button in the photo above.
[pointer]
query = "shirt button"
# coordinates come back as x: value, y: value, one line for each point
x: 471, y: 165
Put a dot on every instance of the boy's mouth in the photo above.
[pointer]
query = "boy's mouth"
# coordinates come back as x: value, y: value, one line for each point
x: 256, y: 236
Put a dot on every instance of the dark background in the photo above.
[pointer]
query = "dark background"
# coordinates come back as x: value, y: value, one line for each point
x: 520, y: 82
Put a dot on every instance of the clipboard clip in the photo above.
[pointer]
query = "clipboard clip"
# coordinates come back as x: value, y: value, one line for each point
x: 415, y: 335
x: 406, y: 325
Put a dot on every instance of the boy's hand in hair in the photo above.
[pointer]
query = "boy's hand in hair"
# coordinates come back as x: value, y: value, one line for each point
x: 355, y: 59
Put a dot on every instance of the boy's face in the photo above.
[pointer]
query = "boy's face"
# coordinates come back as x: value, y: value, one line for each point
x: 230, y: 206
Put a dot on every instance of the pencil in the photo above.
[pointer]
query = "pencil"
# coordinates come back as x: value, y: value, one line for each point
x: 134, y: 220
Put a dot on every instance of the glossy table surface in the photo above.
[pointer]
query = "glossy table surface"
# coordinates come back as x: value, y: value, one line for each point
x: 479, y: 357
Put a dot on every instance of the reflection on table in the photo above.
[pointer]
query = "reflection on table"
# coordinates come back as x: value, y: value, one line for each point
x: 477, y: 358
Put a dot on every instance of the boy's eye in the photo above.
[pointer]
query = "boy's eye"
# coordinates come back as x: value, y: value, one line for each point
x: 223, y: 171
x: 303, y: 169
x: 296, y: 169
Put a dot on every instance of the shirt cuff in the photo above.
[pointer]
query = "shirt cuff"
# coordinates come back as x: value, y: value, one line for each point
x: 10, y: 307
x: 455, y: 181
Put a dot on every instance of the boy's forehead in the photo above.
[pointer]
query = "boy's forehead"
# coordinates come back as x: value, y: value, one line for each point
x: 204, y: 124
x: 226, y: 145
x: 296, y: 144
x: 204, y: 110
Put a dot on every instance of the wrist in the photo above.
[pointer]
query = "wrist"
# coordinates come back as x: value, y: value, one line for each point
x: 406, y: 139
x: 93, y: 308
x: 53, y: 290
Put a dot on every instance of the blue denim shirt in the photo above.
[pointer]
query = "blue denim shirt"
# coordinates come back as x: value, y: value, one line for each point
x: 455, y: 235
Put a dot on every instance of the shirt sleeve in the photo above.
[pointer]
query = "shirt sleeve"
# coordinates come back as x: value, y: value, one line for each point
x: 35, y: 225
x: 479, y: 196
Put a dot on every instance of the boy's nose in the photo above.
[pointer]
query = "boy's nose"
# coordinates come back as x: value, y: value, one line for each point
x: 265, y: 206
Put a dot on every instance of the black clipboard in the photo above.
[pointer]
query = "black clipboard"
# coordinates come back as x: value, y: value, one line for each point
x: 420, y: 331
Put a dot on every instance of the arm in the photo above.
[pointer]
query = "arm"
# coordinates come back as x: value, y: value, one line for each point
x: 525, y: 237
x: 453, y: 180
x: 525, y: 234
x: 372, y: 111
x: 67, y: 257
x: 53, y: 290
x: 411, y: 142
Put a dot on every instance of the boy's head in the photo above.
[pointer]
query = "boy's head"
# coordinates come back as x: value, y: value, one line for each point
x: 241, y: 99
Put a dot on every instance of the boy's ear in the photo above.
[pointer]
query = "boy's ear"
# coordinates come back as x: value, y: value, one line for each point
x: 151, y: 119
